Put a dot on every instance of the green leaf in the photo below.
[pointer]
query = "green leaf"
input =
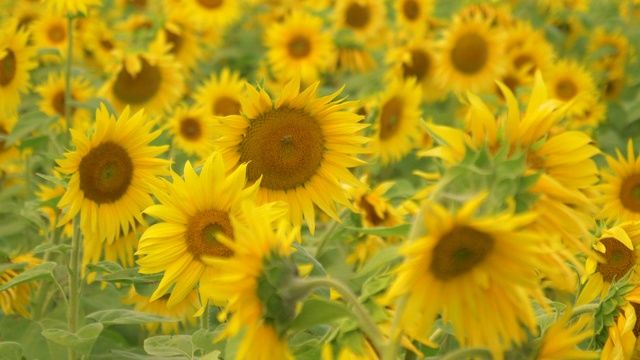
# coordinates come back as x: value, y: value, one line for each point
x: 166, y: 345
x: 379, y: 260
x: 10, y: 350
x: 35, y: 142
x: 400, y: 230
x: 43, y: 248
x: 27, y: 124
x: 319, y: 311
x: 203, y: 339
x: 104, y: 266
x: 82, y: 341
x: 39, y: 271
x: 123, y: 316
x: 214, y: 355
x: 53, y: 179
x: 12, y: 266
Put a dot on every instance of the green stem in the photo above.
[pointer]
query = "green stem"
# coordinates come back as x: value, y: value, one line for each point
x: 586, y: 308
x: 74, y: 273
x: 464, y: 354
x: 396, y: 333
x: 327, y: 233
x: 366, y: 323
x: 67, y: 90
x: 204, y: 319
x: 41, y: 294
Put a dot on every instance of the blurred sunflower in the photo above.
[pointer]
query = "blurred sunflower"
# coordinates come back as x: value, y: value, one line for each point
x: 397, y: 126
x: 213, y: 14
x: 613, y: 85
x: 560, y: 341
x: 301, y: 147
x: 609, y: 50
x: 53, y: 102
x: 221, y: 93
x: 15, y: 300
x: 362, y: 18
x: 471, y: 55
x: 417, y: 59
x: 113, y: 174
x: 184, y: 310
x: 528, y: 50
x: 178, y: 32
x: 71, y: 7
x: 298, y: 45
x: 192, y: 130
x: 483, y: 269
x: 51, y: 31
x: 16, y: 60
x: 622, y: 342
x: 100, y: 44
x: 194, y: 212
x: 354, y: 58
x: 620, y: 190
x: 412, y: 16
x: 7, y: 152
x: 570, y: 82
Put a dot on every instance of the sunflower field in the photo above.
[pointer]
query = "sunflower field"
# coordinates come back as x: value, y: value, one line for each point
x: 320, y: 179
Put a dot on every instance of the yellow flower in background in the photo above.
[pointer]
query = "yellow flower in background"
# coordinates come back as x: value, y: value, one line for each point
x: 482, y: 268
x: 53, y: 102
x: 300, y: 146
x: 17, y: 58
x: 221, y: 93
x: 560, y: 341
x: 120, y: 250
x: 194, y: 213
x: 412, y: 16
x: 51, y: 31
x: 396, y: 129
x: 99, y: 43
x: 620, y: 188
x: 7, y: 152
x: 571, y: 83
x: 113, y: 174
x: 298, y: 46
x: 609, y: 50
x: 184, y: 311
x: 71, y: 7
x: 183, y: 38
x: 192, y: 130
x: 363, y: 19
x: 213, y: 14
x: 15, y: 300
x: 471, y: 55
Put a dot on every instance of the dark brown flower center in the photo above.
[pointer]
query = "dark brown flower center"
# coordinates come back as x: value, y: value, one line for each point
x: 7, y: 68
x: 175, y: 40
x: 203, y: 231
x: 459, y: 251
x: 105, y: 173
x: 107, y: 44
x: 57, y: 33
x: 630, y: 193
x: 470, y: 54
x: 299, y: 47
x: 357, y: 16
x: 370, y: 213
x: 59, y: 102
x: 636, y: 327
x: 3, y: 142
x: 285, y: 146
x: 190, y: 128
x: 411, y: 9
x: 140, y: 88
x: 618, y: 260
x: 211, y: 4
x: 566, y: 89
x: 523, y: 60
x: 419, y: 66
x: 391, y: 117
x: 225, y: 106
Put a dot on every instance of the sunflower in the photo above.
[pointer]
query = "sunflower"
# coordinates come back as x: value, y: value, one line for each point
x: 620, y: 196
x: 52, y: 31
x: 113, y: 174
x: 608, y: 50
x: 150, y: 80
x: 7, y: 152
x: 71, y: 7
x: 362, y: 18
x: 181, y: 35
x: 213, y: 14
x: 301, y: 146
x: 221, y: 93
x: 252, y: 284
x: 561, y: 339
x: 184, y: 310
x: 471, y: 55
x: 528, y: 50
x: 397, y: 126
x: 570, y: 82
x: 192, y: 130
x: 100, y: 45
x: 16, y: 60
x: 613, y: 85
x: 354, y: 58
x: 15, y: 300
x: 53, y: 102
x: 595, y: 114
x: 194, y: 211
x: 483, y: 269
x: 298, y: 45
x: 412, y: 16
x: 622, y: 342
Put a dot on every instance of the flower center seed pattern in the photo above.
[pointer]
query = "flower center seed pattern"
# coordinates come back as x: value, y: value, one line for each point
x: 470, y: 54
x: 7, y: 68
x: 420, y: 64
x: 105, y: 173
x: 619, y: 259
x: 190, y: 129
x: 140, y: 88
x: 630, y: 193
x: 459, y: 251
x: 202, y: 233
x: 357, y: 16
x: 390, y: 117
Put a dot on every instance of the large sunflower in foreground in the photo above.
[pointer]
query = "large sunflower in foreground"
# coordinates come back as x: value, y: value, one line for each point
x: 194, y: 211
x: 482, y: 268
x: 301, y: 145
x: 113, y: 174
x: 620, y: 197
x: 16, y: 60
x: 298, y: 45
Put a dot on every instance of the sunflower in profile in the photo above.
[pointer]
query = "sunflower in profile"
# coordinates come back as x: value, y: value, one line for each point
x: 471, y: 55
x: 17, y: 58
x: 192, y: 130
x: 476, y: 264
x: 184, y: 310
x: 301, y: 146
x: 561, y: 339
x: 221, y: 93
x: 620, y: 190
x: 570, y: 82
x: 412, y: 16
x: 113, y: 174
x: 397, y: 126
x: 362, y: 18
x: 15, y: 300
x: 53, y: 102
x: 150, y: 80
x: 213, y: 14
x: 298, y: 45
x: 193, y: 213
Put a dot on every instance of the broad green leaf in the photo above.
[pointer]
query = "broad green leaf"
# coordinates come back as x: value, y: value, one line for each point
x: 82, y: 341
x: 378, y: 261
x: 125, y: 355
x: 215, y: 355
x: 27, y: 124
x: 123, y: 316
x: 167, y: 345
x: 203, y: 339
x: 10, y: 350
x: 43, y: 248
x: 104, y: 266
x: 400, y: 230
x: 28, y: 333
x: 319, y: 311
x: 53, y: 179
x: 12, y: 266
x: 39, y: 271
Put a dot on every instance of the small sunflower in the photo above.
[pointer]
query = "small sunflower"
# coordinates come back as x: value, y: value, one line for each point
x: 16, y: 60
x: 52, y: 31
x: 213, y: 14
x: 570, y: 82
x: 183, y: 38
x: 113, y: 174
x: 362, y: 18
x: 397, y: 126
x: 620, y: 190
x: 194, y: 212
x: 471, y: 55
x: 412, y: 16
x: 417, y: 59
x: 184, y: 310
x: 301, y: 147
x: 15, y: 300
x: 614, y: 45
x: 100, y: 44
x: 354, y: 58
x: 151, y: 80
x: 221, y: 93
x: 71, y: 7
x: 7, y: 152
x: 298, y: 45
x: 192, y: 131
x: 53, y: 101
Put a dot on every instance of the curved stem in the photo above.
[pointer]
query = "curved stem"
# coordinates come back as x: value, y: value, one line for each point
x: 584, y: 309
x: 327, y: 233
